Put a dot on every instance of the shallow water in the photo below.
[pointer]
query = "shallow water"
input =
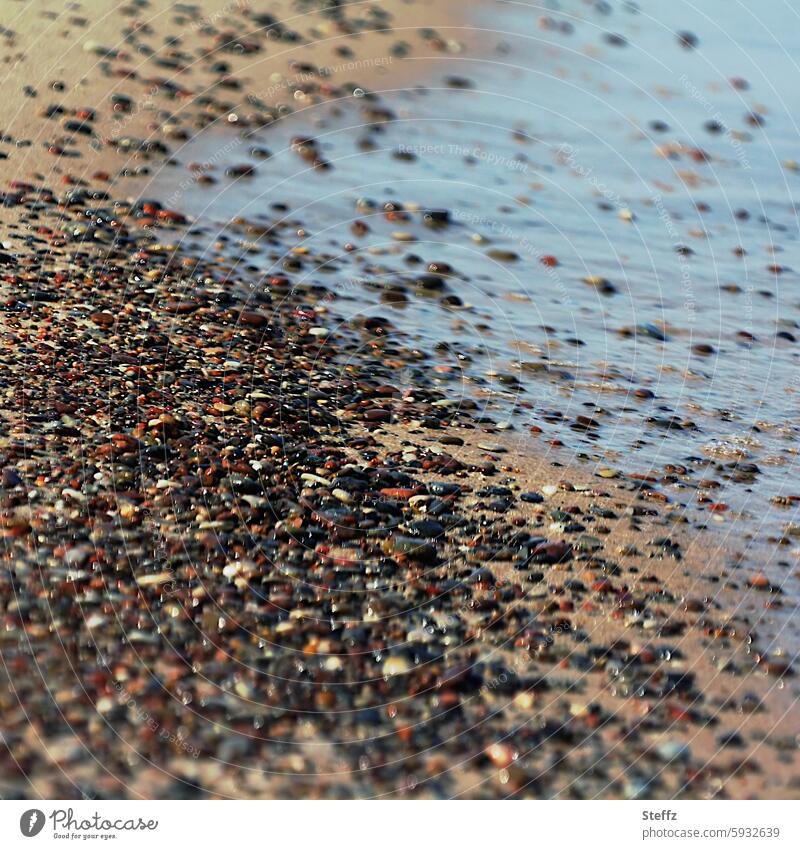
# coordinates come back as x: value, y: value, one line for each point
x: 552, y: 151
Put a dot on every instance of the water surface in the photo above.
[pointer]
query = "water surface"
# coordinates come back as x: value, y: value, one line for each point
x: 622, y: 236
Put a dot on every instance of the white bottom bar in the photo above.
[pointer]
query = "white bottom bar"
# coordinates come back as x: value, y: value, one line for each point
x: 401, y: 825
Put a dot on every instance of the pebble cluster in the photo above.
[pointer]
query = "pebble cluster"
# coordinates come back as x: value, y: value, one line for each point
x: 228, y: 572
x: 241, y: 559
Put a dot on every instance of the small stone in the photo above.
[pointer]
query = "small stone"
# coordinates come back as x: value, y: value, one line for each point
x: 343, y: 495
x: 155, y: 579
x: 673, y: 750
x: 395, y: 665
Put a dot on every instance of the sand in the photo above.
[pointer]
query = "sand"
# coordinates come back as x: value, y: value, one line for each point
x: 716, y: 612
x: 81, y: 57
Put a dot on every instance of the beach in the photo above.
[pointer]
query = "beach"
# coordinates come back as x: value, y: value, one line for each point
x: 344, y: 457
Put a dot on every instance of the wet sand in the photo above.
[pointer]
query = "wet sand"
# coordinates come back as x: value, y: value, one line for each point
x: 246, y: 552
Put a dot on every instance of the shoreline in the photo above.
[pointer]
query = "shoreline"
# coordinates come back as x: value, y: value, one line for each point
x: 452, y: 643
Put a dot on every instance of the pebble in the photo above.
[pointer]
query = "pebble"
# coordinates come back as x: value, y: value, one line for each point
x: 396, y: 665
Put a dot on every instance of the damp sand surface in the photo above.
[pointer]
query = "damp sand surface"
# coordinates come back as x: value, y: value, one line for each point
x: 586, y: 218
x: 268, y: 534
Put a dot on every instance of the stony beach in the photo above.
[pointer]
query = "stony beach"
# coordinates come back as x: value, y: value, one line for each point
x: 263, y: 543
